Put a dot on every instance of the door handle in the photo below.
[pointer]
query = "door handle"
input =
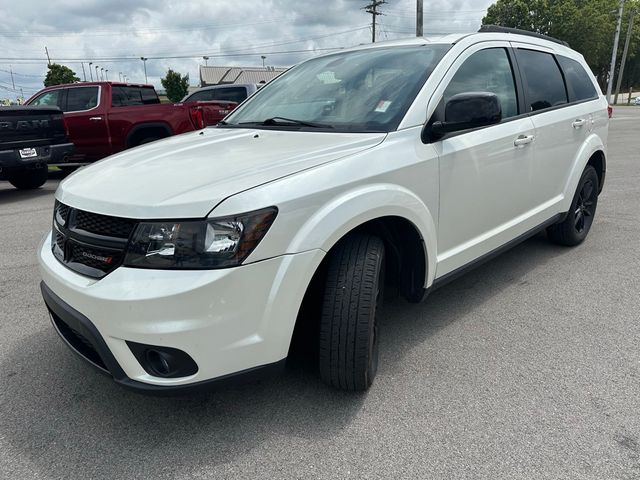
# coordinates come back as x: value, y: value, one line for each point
x: 579, y: 122
x: 95, y: 119
x: 523, y: 140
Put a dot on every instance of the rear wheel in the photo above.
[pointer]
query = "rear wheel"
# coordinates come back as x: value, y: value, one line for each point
x: 348, y: 324
x: 29, y: 179
x: 575, y: 227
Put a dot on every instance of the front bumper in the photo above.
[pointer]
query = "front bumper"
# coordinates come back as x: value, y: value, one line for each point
x: 229, y: 321
x: 10, y: 160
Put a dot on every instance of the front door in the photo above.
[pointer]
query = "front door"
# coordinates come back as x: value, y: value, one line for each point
x: 486, y: 175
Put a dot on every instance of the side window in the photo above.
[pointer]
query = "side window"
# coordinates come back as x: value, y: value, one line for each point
x: 47, y: 99
x: 81, y: 98
x: 487, y: 71
x: 202, y: 96
x: 128, y: 96
x: 542, y: 79
x: 232, y: 94
x: 578, y: 82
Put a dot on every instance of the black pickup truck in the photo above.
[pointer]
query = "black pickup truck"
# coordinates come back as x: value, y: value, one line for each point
x: 30, y: 139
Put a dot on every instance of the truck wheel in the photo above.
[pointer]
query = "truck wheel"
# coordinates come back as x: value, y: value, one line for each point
x: 575, y: 227
x: 348, y: 324
x: 29, y: 179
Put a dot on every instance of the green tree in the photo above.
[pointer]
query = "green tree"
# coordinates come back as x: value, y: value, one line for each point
x: 176, y: 85
x: 587, y: 25
x: 59, y: 74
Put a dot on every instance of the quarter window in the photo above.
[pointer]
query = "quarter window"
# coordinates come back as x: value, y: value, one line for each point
x: 128, y: 96
x: 579, y: 84
x: 47, y: 99
x: 81, y: 98
x: 542, y: 78
x: 487, y: 71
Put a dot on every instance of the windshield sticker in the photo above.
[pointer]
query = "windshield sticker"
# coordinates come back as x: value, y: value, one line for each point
x: 383, y: 105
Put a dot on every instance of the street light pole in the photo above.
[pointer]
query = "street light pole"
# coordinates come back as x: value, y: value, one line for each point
x: 144, y: 62
x: 614, y: 53
x: 91, y: 71
x: 97, y: 74
x: 102, y: 73
x: 205, y: 58
x: 106, y: 74
x: 263, y: 59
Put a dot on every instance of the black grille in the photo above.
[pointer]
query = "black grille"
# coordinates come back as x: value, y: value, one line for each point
x: 89, y: 243
x: 103, y: 225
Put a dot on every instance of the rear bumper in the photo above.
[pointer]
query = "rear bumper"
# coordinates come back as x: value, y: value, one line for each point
x: 48, y: 154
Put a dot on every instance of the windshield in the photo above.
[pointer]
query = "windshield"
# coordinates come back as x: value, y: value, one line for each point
x: 361, y: 91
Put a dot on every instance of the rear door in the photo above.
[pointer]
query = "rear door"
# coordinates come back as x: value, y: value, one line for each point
x: 87, y: 122
x: 561, y: 126
x: 485, y: 174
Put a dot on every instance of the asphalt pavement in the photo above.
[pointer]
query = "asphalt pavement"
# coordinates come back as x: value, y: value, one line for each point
x: 526, y: 368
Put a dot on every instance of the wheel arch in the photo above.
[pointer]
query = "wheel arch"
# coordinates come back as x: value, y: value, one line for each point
x: 592, y: 152
x: 138, y: 132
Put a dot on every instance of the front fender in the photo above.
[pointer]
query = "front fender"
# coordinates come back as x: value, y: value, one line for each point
x: 324, y: 228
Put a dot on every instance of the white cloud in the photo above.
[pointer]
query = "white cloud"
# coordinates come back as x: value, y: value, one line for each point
x: 234, y: 32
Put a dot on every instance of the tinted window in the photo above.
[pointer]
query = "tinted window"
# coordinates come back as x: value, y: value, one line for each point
x: 487, y: 71
x: 542, y: 79
x: 231, y: 94
x: 128, y: 96
x: 49, y: 99
x: 202, y: 96
x: 578, y: 81
x: 81, y: 98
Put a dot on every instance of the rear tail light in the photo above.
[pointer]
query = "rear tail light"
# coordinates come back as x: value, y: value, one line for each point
x: 197, y: 118
x: 610, y: 111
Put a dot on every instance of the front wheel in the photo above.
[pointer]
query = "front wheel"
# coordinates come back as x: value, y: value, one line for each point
x: 575, y: 227
x: 348, y: 324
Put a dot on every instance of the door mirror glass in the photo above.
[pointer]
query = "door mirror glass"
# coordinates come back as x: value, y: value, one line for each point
x: 468, y: 110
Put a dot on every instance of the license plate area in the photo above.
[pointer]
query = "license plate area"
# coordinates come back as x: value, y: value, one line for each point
x: 28, y: 153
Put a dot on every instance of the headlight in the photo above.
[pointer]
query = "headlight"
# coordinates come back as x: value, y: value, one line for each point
x: 201, y: 244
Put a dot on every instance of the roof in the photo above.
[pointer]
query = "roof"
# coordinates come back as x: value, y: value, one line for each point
x: 216, y: 75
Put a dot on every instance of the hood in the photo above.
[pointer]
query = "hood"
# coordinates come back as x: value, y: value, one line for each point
x: 188, y: 175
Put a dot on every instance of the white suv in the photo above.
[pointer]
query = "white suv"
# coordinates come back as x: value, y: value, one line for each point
x: 193, y: 259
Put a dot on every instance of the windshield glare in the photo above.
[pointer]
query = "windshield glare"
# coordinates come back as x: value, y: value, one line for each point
x: 361, y: 91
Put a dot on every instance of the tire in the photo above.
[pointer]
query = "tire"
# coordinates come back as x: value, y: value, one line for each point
x: 575, y: 227
x: 348, y: 356
x: 29, y: 179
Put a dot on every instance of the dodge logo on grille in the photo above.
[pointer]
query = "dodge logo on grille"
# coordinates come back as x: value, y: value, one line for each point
x: 97, y: 257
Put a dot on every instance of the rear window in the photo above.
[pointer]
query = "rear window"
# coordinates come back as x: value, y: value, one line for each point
x: 81, y: 98
x: 578, y: 82
x: 543, y: 80
x: 128, y: 96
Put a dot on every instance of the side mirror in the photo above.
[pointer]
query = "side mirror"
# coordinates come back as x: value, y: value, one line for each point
x: 465, y: 111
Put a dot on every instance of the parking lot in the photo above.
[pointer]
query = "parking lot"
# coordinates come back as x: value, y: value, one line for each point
x: 527, y: 367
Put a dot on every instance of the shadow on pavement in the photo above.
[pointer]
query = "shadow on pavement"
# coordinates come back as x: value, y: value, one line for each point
x: 69, y: 421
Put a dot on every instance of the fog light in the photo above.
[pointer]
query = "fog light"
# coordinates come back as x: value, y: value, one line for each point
x: 164, y: 362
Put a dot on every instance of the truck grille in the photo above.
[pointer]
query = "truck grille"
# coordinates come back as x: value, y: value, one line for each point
x: 89, y: 243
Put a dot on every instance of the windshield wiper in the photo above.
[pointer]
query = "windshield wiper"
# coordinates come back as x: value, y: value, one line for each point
x: 282, y: 121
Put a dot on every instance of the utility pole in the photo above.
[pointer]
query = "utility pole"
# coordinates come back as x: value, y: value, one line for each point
x: 372, y: 8
x: 419, y: 17
x: 144, y: 61
x: 46, y: 50
x: 84, y: 75
x: 11, y: 70
x: 90, y: 72
x: 614, y: 54
x: 624, y: 54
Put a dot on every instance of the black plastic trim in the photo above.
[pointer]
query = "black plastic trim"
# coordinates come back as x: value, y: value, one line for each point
x: 83, y: 325
x: 517, y: 31
x: 448, y: 277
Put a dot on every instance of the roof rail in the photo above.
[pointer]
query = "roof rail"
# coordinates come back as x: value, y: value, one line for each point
x: 499, y: 29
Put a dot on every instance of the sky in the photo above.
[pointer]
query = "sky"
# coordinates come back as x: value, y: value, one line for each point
x: 114, y: 34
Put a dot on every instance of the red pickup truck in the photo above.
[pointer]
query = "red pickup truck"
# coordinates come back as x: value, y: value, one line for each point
x: 107, y: 117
